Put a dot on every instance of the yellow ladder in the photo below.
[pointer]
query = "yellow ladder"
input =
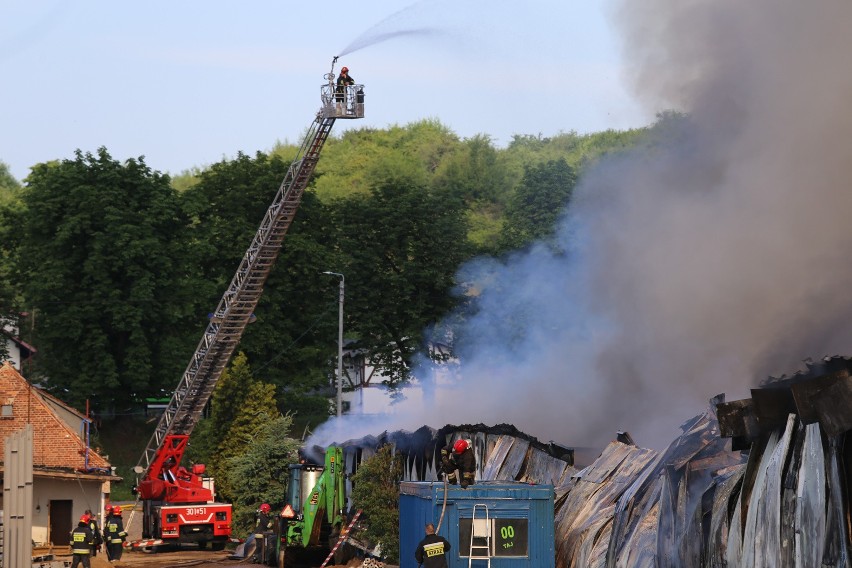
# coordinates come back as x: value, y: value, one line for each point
x: 480, y: 536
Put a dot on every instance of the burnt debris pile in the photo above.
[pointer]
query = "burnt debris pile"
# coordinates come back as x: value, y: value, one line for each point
x: 755, y: 482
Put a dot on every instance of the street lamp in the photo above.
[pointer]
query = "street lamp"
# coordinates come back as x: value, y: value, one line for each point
x: 339, y: 344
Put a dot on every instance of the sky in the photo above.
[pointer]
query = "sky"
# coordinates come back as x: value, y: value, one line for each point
x: 187, y: 84
x: 704, y: 265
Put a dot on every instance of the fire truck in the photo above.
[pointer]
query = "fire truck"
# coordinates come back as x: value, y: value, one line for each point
x: 178, y: 504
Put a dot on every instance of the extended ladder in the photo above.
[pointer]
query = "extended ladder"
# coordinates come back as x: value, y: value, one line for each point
x: 480, y: 536
x: 237, y: 305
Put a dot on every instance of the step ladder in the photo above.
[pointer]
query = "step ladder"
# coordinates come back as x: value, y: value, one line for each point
x: 480, y: 535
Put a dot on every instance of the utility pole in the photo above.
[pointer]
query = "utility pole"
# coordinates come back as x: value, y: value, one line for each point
x: 339, y: 342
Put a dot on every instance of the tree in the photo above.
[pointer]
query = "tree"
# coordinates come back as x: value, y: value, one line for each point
x: 98, y: 256
x: 9, y: 186
x: 260, y: 474
x: 296, y: 312
x: 403, y: 244
x: 539, y: 200
x: 375, y: 490
x: 241, y: 406
x: 228, y: 397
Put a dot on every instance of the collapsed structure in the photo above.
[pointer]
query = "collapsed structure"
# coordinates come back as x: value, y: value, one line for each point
x: 751, y: 483
x: 756, y: 482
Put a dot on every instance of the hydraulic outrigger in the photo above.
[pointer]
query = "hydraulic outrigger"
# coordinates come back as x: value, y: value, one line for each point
x: 177, y: 506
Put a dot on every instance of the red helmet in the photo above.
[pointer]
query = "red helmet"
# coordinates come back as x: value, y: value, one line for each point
x: 265, y: 508
x: 84, y: 519
x: 344, y: 69
x: 460, y: 446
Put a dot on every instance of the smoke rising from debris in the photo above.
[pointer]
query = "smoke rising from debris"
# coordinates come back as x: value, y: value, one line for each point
x: 701, y: 265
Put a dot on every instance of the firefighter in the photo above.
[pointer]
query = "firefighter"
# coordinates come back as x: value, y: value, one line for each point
x: 342, y: 82
x: 82, y: 540
x: 432, y: 550
x: 262, y: 529
x: 114, y: 534
x: 462, y: 459
x: 96, y: 531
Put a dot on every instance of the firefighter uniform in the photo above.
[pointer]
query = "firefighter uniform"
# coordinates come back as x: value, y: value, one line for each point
x: 82, y: 540
x: 114, y: 534
x: 462, y: 459
x: 96, y: 531
x: 432, y: 550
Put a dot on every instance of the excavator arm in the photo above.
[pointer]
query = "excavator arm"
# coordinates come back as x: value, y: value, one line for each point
x: 326, y: 502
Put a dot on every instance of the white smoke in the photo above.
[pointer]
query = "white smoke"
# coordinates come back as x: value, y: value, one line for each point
x: 696, y: 267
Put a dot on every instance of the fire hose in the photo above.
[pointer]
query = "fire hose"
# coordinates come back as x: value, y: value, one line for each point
x: 444, y: 507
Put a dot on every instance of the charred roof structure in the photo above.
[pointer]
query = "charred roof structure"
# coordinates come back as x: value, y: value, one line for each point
x: 752, y: 483
x: 502, y: 453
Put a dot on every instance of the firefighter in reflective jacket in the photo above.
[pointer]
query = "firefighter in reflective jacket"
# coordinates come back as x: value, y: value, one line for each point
x: 462, y: 459
x: 82, y: 540
x: 114, y: 534
x: 432, y: 550
x: 96, y: 530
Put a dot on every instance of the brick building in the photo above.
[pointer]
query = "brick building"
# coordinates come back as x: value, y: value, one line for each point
x: 68, y: 476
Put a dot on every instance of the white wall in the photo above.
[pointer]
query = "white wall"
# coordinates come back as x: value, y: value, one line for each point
x: 85, y: 494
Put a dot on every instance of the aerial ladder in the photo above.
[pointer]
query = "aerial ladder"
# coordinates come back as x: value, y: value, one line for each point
x: 178, y: 506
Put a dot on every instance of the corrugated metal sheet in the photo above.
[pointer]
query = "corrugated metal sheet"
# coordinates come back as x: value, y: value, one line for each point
x: 782, y: 503
x: 502, y: 453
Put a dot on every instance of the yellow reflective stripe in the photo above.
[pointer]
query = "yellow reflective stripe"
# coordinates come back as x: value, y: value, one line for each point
x: 434, y: 549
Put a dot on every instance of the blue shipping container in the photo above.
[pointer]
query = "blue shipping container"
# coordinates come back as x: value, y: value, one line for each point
x: 520, y: 527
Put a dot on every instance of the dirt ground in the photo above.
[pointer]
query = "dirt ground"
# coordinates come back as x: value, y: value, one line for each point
x: 179, y: 559
x: 167, y: 559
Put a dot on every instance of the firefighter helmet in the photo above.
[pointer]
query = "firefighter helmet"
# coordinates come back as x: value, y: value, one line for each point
x: 344, y: 69
x: 84, y: 519
x: 265, y: 508
x: 460, y: 446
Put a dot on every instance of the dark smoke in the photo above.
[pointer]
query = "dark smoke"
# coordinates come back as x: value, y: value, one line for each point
x: 716, y: 257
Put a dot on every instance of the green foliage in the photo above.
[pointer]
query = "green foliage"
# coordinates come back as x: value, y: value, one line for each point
x: 347, y: 163
x: 121, y: 264
x: 535, y: 206
x: 241, y: 405
x: 225, y: 403
x: 475, y: 173
x: 99, y: 256
x: 293, y: 337
x: 375, y: 490
x: 259, y: 473
x: 403, y: 243
x: 10, y: 190
x: 9, y: 186
x: 186, y: 179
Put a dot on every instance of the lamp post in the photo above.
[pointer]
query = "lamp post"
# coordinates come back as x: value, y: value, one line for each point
x: 339, y: 343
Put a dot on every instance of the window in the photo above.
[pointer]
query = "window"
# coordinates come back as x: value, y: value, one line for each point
x: 7, y: 412
x: 509, y: 537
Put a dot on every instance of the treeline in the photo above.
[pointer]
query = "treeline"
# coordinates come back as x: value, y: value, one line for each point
x: 117, y: 265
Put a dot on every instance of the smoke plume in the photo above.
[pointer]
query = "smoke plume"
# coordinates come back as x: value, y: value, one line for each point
x: 713, y: 258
